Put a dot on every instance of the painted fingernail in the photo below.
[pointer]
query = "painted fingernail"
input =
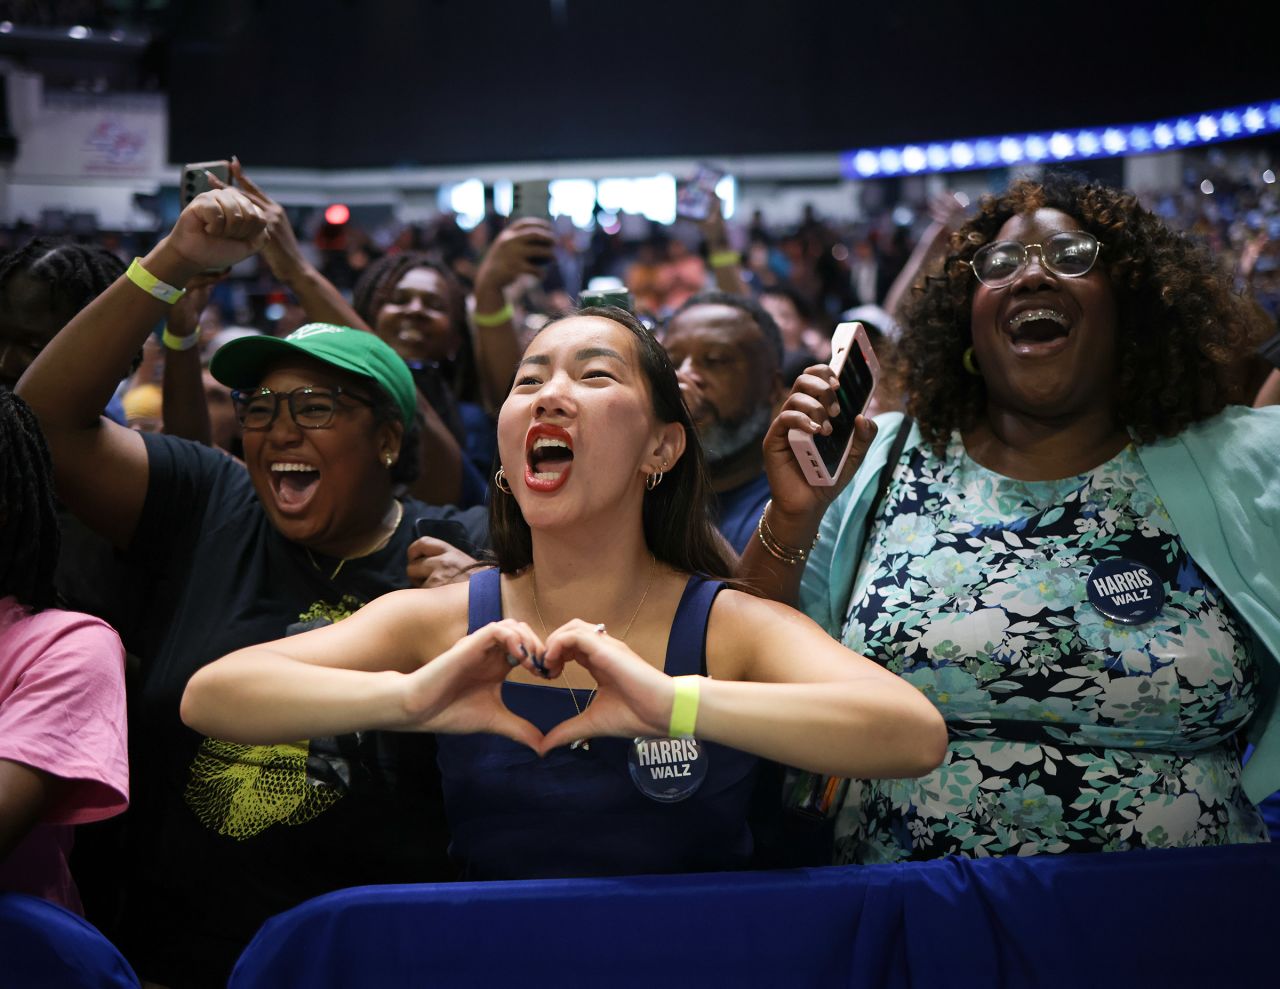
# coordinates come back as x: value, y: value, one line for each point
x: 513, y: 660
x: 524, y: 651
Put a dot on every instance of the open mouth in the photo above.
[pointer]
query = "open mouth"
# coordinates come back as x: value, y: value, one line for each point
x: 1039, y: 331
x: 293, y: 485
x: 548, y: 457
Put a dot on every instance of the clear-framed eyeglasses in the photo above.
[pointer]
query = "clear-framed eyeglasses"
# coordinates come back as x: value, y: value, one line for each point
x: 310, y: 408
x: 1069, y: 254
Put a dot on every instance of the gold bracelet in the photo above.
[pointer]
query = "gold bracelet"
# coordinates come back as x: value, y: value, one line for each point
x: 789, y: 555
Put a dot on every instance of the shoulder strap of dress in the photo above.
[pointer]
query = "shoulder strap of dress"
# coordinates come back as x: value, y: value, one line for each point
x: 886, y: 477
x: 687, y: 643
x: 484, y: 599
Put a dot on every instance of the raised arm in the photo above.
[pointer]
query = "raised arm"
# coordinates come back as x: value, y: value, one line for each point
x: 101, y: 468
x: 319, y: 298
x: 186, y: 413
x: 726, y: 263
x: 948, y: 213
x: 523, y: 248
x: 791, y: 519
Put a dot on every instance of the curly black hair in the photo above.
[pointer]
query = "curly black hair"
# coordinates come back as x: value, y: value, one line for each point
x: 1181, y: 330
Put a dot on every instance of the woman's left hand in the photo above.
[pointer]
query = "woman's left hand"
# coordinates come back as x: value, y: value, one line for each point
x: 632, y: 699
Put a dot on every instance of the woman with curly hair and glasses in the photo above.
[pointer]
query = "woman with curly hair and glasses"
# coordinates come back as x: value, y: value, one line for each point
x: 1069, y: 545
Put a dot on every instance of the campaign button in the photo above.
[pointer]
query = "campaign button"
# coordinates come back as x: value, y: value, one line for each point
x: 667, y: 770
x: 1125, y: 591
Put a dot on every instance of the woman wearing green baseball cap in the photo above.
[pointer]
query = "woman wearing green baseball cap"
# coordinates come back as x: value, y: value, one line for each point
x: 303, y: 533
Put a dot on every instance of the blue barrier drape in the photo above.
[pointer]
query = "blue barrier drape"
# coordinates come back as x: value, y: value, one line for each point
x: 1193, y: 917
x: 43, y: 946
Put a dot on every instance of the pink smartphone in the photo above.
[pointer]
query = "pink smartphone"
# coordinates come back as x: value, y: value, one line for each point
x: 822, y: 457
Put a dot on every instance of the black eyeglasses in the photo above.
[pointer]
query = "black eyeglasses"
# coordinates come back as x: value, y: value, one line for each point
x: 311, y: 408
x: 1069, y: 254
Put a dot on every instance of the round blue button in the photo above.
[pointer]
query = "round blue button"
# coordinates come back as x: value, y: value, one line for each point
x: 1125, y: 591
x: 667, y: 769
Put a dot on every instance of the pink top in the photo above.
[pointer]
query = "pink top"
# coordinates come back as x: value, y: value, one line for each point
x: 62, y: 711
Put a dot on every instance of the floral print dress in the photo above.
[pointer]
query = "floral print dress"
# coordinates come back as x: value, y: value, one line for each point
x: 1068, y: 731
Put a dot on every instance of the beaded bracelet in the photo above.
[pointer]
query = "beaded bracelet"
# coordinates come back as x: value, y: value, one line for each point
x: 789, y: 555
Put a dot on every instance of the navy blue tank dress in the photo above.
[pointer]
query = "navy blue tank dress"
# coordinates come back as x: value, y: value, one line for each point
x: 576, y: 812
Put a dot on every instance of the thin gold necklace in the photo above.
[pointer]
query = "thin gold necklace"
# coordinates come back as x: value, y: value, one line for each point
x: 533, y: 581
x: 382, y: 541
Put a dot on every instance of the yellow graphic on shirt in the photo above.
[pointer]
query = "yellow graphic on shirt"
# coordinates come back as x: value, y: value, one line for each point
x: 241, y: 790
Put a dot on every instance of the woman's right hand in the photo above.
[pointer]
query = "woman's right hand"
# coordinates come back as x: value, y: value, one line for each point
x: 524, y: 248
x: 217, y: 229
x: 460, y: 691
x: 798, y: 505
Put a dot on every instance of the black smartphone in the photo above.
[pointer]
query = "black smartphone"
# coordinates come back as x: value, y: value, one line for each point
x: 446, y: 530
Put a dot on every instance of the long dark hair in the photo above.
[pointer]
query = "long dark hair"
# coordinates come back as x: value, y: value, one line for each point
x: 677, y: 517
x: 29, y: 534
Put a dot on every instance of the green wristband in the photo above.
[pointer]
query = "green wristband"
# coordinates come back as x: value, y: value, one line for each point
x: 684, y: 706
x: 504, y: 315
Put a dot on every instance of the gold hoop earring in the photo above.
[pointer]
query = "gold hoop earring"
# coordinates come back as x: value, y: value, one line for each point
x: 651, y: 481
x: 970, y: 364
x: 500, y: 481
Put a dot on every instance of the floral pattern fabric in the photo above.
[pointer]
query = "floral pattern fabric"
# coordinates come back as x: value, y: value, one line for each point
x: 1068, y: 731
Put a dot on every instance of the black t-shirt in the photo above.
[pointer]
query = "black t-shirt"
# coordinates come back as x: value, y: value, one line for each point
x: 222, y: 836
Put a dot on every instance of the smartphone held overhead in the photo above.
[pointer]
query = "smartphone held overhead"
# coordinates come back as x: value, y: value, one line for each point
x: 822, y: 456
x: 195, y: 178
x: 531, y: 198
x: 693, y: 201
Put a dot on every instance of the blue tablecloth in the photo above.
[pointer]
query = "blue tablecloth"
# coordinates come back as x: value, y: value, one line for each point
x: 1193, y: 917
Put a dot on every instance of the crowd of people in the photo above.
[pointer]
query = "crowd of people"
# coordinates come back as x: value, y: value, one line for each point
x: 466, y: 582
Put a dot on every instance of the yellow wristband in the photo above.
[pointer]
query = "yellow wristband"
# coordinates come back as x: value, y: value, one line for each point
x: 684, y: 706
x: 504, y: 315
x: 172, y: 342
x: 152, y: 285
x: 724, y: 259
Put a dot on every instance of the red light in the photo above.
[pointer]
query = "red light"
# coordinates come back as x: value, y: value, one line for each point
x: 337, y: 214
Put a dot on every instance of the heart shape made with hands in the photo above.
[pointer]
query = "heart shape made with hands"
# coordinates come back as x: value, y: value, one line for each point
x: 460, y: 691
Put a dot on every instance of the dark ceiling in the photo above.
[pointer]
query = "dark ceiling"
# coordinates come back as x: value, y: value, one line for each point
x: 328, y: 83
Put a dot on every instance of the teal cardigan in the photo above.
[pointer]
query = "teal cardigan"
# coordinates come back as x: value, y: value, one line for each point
x: 1219, y: 480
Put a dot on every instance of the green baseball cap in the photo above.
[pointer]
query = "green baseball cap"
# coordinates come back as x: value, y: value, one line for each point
x: 241, y: 363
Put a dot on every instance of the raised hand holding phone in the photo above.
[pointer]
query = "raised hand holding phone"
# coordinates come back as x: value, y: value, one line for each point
x: 822, y: 454
x: 810, y: 410
x: 216, y: 230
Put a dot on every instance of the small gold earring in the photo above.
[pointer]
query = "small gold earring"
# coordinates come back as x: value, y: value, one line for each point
x: 500, y: 481
x: 970, y: 364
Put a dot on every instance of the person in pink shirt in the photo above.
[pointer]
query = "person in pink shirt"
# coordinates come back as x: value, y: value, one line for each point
x: 63, y: 753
